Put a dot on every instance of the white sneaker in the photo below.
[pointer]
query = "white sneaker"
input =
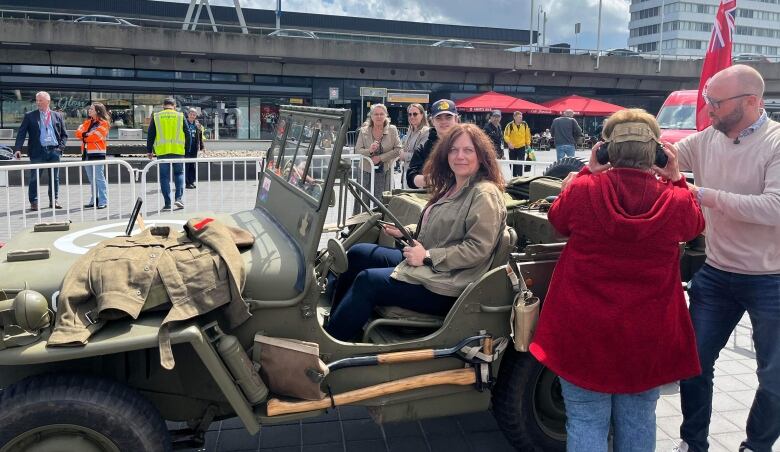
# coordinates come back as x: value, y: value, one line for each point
x: 178, y: 204
x: 683, y: 447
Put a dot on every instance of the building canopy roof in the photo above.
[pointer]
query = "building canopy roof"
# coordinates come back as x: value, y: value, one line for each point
x: 492, y: 100
x: 582, y: 106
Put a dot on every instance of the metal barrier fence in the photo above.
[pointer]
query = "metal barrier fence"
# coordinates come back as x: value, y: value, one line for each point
x: 216, y: 189
x: 226, y: 185
x: 73, y: 193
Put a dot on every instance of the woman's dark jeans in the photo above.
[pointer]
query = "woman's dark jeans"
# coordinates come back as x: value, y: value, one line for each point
x: 367, y: 284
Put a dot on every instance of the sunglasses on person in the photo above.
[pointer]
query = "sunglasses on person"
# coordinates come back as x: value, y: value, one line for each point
x: 413, y: 113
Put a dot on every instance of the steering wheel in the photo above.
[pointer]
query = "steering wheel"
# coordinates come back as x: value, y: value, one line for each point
x: 407, y: 236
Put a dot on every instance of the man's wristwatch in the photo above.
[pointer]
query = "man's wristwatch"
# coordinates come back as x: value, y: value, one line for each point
x: 427, y: 259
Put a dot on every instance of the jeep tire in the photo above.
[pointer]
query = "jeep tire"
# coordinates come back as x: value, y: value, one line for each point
x: 563, y: 167
x: 79, y: 413
x: 528, y: 405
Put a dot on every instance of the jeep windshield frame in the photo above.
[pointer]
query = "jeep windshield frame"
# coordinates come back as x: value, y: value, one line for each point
x: 299, y: 172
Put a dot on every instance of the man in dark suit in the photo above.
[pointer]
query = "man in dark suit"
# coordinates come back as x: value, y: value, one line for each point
x: 46, y: 134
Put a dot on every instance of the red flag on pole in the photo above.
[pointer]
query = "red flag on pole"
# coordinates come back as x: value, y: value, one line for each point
x: 718, y: 56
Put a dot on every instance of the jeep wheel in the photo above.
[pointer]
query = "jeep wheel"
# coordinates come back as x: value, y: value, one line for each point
x: 78, y: 413
x: 528, y: 405
x: 563, y: 167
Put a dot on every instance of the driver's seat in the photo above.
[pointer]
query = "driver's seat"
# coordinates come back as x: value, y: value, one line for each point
x: 394, y: 316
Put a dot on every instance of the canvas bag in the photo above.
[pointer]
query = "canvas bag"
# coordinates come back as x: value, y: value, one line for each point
x: 290, y: 367
x: 525, y: 309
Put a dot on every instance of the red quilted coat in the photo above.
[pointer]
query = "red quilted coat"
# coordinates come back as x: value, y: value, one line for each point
x: 614, y: 319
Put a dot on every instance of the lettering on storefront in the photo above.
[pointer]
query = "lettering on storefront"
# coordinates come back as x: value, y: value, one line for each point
x: 68, y: 103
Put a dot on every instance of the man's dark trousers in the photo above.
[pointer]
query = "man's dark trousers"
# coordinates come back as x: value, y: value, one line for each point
x: 517, y: 154
x: 190, y: 170
x: 719, y: 299
x: 48, y: 154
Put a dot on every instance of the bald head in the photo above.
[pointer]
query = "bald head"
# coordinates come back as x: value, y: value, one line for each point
x: 739, y: 77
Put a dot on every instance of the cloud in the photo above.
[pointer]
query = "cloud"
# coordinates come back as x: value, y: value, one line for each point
x: 561, y: 14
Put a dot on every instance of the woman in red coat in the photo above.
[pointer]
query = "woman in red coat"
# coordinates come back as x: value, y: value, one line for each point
x: 614, y: 325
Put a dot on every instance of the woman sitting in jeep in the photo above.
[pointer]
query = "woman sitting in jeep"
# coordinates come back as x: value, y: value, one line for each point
x: 456, y: 236
x: 614, y: 325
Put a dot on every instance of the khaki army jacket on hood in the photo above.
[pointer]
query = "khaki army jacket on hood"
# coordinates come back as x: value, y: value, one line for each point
x: 196, y: 271
x: 461, y: 233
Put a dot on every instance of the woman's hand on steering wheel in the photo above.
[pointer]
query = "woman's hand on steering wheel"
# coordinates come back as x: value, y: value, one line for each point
x: 392, y: 231
x: 414, y: 255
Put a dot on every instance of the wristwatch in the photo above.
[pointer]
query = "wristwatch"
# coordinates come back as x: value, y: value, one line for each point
x: 427, y: 259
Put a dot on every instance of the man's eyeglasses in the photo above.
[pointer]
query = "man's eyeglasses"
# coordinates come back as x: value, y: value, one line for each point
x: 413, y: 113
x: 715, y: 104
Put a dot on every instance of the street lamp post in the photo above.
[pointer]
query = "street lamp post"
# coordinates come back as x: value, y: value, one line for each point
x: 531, y: 36
x: 598, y: 37
x: 661, y: 35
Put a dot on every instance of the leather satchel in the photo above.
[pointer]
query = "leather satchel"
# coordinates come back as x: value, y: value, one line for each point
x: 525, y: 309
x: 290, y: 367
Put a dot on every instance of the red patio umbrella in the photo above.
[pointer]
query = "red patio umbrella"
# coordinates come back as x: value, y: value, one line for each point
x: 496, y: 101
x: 582, y: 106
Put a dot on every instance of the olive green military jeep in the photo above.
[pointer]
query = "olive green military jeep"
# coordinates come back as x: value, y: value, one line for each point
x: 113, y: 395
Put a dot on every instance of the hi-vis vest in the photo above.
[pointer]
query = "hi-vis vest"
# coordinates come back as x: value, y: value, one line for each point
x: 169, y: 137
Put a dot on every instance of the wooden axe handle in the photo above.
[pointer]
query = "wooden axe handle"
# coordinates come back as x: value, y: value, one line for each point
x: 405, y: 357
x: 460, y: 377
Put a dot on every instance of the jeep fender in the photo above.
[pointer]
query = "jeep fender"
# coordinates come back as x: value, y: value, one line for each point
x: 120, y: 337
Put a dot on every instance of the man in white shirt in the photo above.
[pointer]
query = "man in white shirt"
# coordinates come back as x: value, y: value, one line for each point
x: 736, y: 165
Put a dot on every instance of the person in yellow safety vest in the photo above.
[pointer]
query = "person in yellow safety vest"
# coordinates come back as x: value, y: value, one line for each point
x: 517, y: 135
x: 165, y: 140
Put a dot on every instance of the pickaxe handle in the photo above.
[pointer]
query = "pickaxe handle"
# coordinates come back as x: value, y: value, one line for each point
x: 461, y: 377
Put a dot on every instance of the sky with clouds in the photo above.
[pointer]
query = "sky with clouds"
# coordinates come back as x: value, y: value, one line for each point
x: 561, y: 15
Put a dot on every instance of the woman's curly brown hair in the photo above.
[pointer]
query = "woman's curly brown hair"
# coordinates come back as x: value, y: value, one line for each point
x: 438, y: 173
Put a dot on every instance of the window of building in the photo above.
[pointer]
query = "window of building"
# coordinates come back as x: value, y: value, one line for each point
x: 108, y: 72
x: 75, y: 71
x: 144, y: 106
x: 646, y: 13
x: 224, y: 77
x: 644, y: 31
x: 159, y: 75
x: 120, y: 108
x: 193, y: 76
x: 647, y: 47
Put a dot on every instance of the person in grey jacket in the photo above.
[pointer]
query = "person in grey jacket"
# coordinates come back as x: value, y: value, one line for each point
x: 457, y: 235
x: 565, y: 131
x: 378, y: 140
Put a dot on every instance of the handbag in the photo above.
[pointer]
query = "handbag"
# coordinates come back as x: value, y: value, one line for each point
x: 525, y: 309
x: 290, y: 367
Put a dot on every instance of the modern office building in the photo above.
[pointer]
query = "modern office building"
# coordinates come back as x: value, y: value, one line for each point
x: 683, y: 27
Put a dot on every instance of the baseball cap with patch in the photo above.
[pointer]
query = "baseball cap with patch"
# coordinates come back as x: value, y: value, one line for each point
x: 443, y: 106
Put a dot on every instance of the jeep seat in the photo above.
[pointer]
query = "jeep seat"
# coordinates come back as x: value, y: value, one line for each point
x: 406, y: 319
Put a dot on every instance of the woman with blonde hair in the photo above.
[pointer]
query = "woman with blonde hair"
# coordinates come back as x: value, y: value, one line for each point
x: 616, y: 288
x: 379, y: 141
x: 456, y: 235
x: 416, y: 136
x: 93, y: 134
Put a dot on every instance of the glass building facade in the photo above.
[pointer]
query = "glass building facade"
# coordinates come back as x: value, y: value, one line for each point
x: 237, y: 107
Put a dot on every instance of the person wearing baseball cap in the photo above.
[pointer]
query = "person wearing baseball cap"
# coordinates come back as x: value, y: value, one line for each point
x: 444, y: 115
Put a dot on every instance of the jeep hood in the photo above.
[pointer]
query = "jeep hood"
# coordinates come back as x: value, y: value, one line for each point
x: 274, y: 264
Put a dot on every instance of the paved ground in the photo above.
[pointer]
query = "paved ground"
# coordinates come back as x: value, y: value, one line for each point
x: 349, y: 428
